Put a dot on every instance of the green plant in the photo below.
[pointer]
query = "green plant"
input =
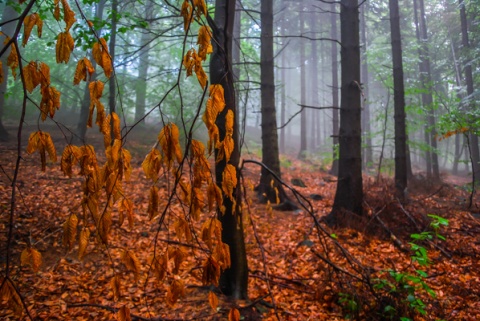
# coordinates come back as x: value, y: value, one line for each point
x: 349, y: 304
x: 404, y: 288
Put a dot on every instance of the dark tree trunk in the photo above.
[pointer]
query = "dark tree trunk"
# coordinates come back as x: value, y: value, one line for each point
x: 7, y: 29
x: 467, y: 68
x: 302, y: 154
x: 349, y: 193
x: 270, y: 155
x: 399, y: 102
x: 335, y: 103
x: 234, y: 280
x: 427, y: 98
x: 365, y: 83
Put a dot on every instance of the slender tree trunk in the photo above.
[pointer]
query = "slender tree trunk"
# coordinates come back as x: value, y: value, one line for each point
x: 314, y: 83
x: 283, y: 106
x: 84, y: 108
x: 302, y: 154
x: 335, y: 102
x: 113, y: 39
x: 427, y: 98
x: 143, y: 65
x: 399, y: 102
x: 7, y: 29
x: 349, y: 193
x: 365, y: 83
x: 234, y: 280
x: 270, y: 155
x: 467, y: 68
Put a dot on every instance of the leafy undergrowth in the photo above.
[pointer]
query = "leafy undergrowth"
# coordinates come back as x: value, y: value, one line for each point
x: 288, y: 279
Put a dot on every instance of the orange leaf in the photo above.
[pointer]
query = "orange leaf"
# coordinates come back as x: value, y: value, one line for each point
x: 83, y: 242
x: 70, y: 231
x: 186, y: 13
x: 123, y: 314
x: 153, y: 201
x: 131, y: 262
x: 213, y: 300
x: 56, y: 10
x: 169, y: 139
x: 84, y: 66
x: 175, y: 291
x: 12, y: 60
x: 31, y: 257
x: 96, y: 90
x: 115, y: 284
x: 31, y: 75
x: 229, y: 181
x: 50, y: 101
x: 64, y: 47
x: 28, y: 23
x: 102, y: 57
x: 152, y: 163
x: 68, y: 15
x: 233, y: 315
x: 204, y: 42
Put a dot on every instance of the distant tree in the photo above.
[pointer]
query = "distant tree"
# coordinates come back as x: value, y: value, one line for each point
x: 365, y: 84
x: 7, y: 28
x: 349, y: 193
x: 85, y: 106
x: 399, y: 102
x: 303, y: 90
x: 143, y: 64
x: 234, y: 280
x: 426, y: 83
x: 335, y: 102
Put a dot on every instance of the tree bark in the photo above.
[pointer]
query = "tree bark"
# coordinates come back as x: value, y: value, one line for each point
x: 270, y: 155
x: 399, y: 102
x: 427, y: 98
x: 302, y: 153
x: 467, y: 69
x: 234, y: 280
x: 335, y: 102
x: 7, y: 29
x: 113, y: 39
x: 349, y: 193
x: 365, y: 84
x: 143, y: 64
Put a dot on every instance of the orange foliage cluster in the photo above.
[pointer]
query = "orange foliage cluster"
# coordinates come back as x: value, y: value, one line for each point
x: 453, y: 132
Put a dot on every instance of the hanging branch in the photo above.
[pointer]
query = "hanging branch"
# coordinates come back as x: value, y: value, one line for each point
x: 300, y: 111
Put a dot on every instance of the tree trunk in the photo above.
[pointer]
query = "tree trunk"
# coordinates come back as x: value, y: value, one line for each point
x: 365, y: 83
x: 270, y: 155
x: 302, y: 153
x: 399, y: 102
x: 143, y: 64
x: 113, y: 39
x: 314, y: 83
x: 7, y: 29
x: 427, y: 98
x: 349, y: 193
x: 234, y: 280
x: 84, y: 108
x: 467, y: 67
x: 335, y: 116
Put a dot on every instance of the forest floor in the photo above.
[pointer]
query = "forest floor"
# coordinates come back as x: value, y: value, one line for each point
x: 288, y: 280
